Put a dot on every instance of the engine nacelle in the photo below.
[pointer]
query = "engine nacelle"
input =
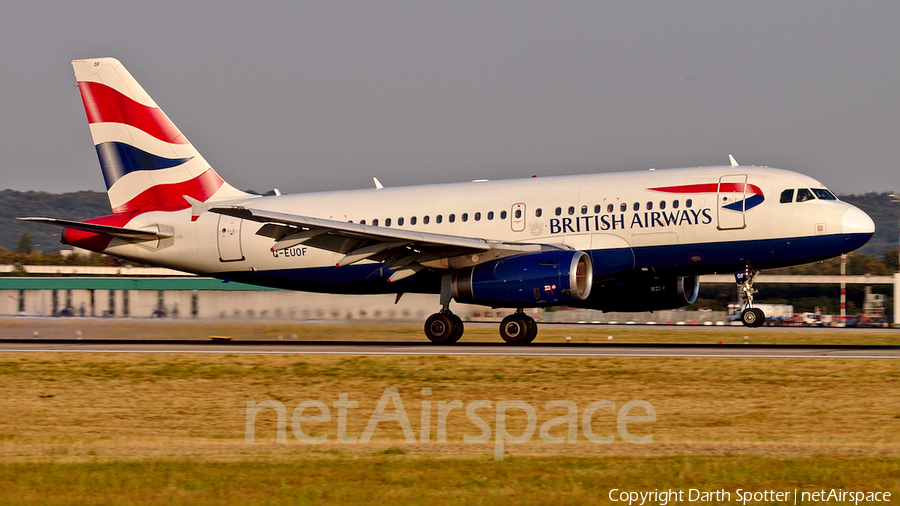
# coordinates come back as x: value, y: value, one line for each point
x: 530, y: 280
x: 644, y: 293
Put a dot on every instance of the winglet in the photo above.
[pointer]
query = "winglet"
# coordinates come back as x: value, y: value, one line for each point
x: 733, y: 161
x: 378, y: 184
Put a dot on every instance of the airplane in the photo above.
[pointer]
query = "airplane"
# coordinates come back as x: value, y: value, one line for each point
x: 627, y: 241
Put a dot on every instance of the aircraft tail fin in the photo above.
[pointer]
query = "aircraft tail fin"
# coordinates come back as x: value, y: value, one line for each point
x: 147, y: 163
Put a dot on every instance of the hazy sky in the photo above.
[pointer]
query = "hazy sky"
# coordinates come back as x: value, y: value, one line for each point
x: 308, y: 96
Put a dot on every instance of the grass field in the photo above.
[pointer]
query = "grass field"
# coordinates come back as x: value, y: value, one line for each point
x: 161, y: 429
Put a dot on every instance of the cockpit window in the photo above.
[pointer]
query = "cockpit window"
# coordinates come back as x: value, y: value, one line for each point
x: 803, y: 195
x: 823, y: 194
x: 787, y: 196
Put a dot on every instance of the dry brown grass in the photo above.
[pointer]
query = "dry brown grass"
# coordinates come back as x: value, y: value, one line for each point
x: 87, y: 407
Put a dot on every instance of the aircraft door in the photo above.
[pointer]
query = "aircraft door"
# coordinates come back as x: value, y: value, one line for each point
x: 731, y: 201
x: 517, y: 217
x: 229, y: 233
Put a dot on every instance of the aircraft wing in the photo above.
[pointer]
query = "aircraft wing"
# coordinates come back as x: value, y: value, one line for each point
x: 404, y: 251
x: 131, y: 234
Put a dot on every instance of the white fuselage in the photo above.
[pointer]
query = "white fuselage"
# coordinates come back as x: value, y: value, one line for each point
x: 684, y: 229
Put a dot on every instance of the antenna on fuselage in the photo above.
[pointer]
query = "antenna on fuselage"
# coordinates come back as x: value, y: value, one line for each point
x: 733, y: 161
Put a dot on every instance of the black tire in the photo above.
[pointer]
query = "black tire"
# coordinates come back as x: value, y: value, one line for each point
x: 514, y: 329
x: 532, y: 328
x: 457, y: 329
x: 760, y: 317
x: 439, y: 328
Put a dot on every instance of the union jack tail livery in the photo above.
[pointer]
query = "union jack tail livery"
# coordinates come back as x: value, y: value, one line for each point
x: 148, y: 164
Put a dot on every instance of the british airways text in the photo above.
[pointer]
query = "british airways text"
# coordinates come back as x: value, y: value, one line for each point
x: 655, y: 219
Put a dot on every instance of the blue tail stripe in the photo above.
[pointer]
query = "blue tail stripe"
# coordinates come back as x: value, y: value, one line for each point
x: 118, y: 159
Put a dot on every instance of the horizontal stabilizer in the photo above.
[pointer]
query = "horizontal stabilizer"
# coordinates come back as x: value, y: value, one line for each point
x: 130, y: 234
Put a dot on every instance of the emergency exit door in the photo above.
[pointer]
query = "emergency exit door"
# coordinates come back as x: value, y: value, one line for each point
x: 517, y: 217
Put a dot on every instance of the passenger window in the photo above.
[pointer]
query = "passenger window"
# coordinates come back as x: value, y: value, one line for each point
x: 362, y: 222
x: 438, y: 218
x: 597, y: 209
x: 662, y: 204
x: 412, y: 221
x: 623, y: 207
x: 610, y: 208
x: 571, y: 210
x: 375, y: 222
x: 451, y: 218
x: 465, y: 216
x: 803, y: 195
x: 477, y: 216
x: 637, y: 206
x: 502, y: 215
x: 823, y: 194
x: 537, y: 212
x: 425, y: 219
x: 688, y: 203
x: 584, y: 209
x: 518, y: 213
x: 399, y: 222
x: 387, y: 222
x: 649, y: 206
x: 674, y: 204
x: 490, y: 215
x: 787, y: 196
x: 558, y: 211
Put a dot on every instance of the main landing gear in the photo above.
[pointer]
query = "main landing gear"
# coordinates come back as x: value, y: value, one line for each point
x: 518, y: 328
x: 750, y: 316
x: 445, y: 327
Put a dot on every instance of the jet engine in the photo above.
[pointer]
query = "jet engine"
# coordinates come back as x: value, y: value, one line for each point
x: 644, y: 293
x: 539, y: 279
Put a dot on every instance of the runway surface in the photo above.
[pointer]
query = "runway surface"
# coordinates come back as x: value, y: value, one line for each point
x: 463, y: 348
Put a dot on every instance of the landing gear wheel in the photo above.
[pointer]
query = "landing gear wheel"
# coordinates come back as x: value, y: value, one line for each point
x: 518, y: 328
x: 458, y: 329
x: 440, y: 328
x: 532, y: 328
x: 760, y: 317
x: 753, y: 317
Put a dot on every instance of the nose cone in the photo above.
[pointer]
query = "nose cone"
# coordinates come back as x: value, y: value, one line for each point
x: 855, y: 221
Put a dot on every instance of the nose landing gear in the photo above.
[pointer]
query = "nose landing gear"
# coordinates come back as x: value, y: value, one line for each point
x: 750, y: 316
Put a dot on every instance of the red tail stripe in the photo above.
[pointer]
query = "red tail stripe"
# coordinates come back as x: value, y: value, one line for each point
x: 104, y: 104
x: 171, y: 196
